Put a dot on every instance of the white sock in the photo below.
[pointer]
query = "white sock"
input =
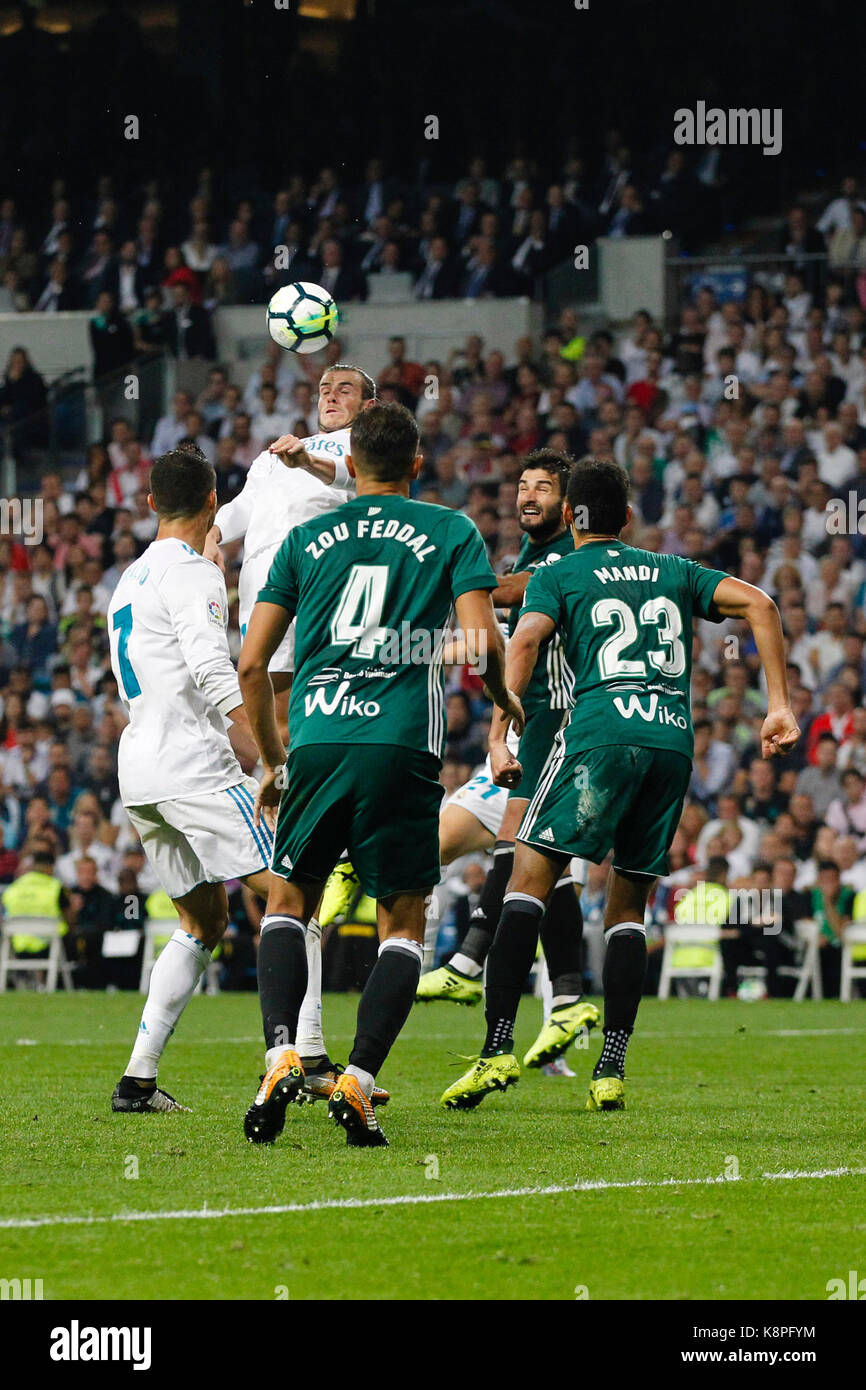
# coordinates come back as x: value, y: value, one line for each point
x: 466, y: 965
x: 545, y: 989
x: 365, y: 1079
x: 310, y: 1040
x: 432, y: 919
x: 274, y: 1053
x: 559, y: 1001
x: 173, y: 979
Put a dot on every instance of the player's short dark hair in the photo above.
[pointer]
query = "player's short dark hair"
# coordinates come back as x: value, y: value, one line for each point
x: 717, y: 867
x: 368, y: 385
x: 825, y: 865
x: 552, y: 461
x: 600, y: 488
x: 384, y: 441
x: 180, y: 482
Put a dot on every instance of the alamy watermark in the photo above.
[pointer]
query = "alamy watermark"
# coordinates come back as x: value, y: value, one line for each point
x: 737, y: 126
x: 846, y: 516
x: 21, y: 1290
x: 22, y: 518
x: 708, y: 906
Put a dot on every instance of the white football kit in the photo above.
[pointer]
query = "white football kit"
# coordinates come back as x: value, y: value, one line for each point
x: 481, y: 797
x: 180, y: 782
x: 273, y: 500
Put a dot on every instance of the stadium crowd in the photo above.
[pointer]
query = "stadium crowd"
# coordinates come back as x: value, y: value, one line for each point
x: 742, y: 429
x: 164, y: 258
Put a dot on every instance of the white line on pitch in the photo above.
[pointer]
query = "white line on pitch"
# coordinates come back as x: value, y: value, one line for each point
x: 442, y: 1037
x: 412, y: 1199
x: 198, y: 1042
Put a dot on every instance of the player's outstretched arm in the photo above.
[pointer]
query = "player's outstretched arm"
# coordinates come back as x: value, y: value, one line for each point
x: 212, y: 548
x: 290, y: 450
x: 532, y: 631
x: 486, y: 647
x: 510, y: 589
x: 233, y: 518
x: 268, y: 626
x: 734, y: 598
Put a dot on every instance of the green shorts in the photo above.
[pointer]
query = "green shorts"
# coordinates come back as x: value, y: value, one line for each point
x: 378, y: 801
x: 618, y: 797
x: 536, y: 741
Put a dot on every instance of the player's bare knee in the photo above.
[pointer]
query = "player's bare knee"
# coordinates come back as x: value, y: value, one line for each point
x: 403, y: 915
x: 627, y: 895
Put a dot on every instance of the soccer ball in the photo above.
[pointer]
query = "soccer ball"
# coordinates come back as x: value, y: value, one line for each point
x: 751, y: 990
x: 302, y: 317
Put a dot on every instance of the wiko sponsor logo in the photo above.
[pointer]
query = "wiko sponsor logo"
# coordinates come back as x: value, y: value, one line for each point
x: 339, y: 703
x: 20, y: 1290
x: 664, y: 715
x: 77, y: 1343
x: 736, y: 126
x: 21, y: 518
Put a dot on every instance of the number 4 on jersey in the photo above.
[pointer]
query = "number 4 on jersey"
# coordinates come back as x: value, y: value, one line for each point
x: 358, y: 616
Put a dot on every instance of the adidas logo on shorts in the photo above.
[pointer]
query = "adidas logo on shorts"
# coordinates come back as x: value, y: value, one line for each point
x: 546, y: 834
x: 286, y: 862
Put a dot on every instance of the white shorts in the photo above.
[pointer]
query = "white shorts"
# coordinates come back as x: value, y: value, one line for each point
x: 203, y: 839
x: 253, y: 578
x: 481, y: 797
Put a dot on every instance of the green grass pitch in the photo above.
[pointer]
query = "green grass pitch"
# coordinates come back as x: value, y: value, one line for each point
x: 730, y: 1091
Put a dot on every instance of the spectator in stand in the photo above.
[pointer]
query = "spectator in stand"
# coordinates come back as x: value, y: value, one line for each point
x: 437, y: 276
x: 340, y: 280
x: 846, y: 814
x: 830, y: 905
x: 189, y: 328
x: 269, y: 422
x: 171, y: 429
x: 90, y: 914
x: 110, y: 337
x: 23, y: 397
x: 407, y: 376
x: 151, y: 326
x: 837, y: 719
x: 35, y: 641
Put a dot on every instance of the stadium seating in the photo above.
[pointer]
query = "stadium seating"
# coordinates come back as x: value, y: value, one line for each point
x: 54, y: 966
x: 691, y: 952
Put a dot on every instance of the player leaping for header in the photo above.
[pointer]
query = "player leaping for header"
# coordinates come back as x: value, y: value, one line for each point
x: 363, y: 766
x: 289, y: 484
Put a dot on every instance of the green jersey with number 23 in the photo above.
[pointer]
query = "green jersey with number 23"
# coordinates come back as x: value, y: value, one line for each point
x: 625, y: 617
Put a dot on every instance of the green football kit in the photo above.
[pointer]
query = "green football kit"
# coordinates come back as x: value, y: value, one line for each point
x: 548, y: 696
x: 620, y: 767
x: 373, y: 586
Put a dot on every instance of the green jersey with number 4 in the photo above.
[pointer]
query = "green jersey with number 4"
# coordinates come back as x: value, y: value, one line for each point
x: 625, y: 617
x: 548, y: 686
x: 373, y: 586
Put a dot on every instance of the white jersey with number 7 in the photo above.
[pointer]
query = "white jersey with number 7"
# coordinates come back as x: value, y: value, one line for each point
x: 170, y: 656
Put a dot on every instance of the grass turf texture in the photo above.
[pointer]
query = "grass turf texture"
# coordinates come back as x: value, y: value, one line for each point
x: 709, y: 1085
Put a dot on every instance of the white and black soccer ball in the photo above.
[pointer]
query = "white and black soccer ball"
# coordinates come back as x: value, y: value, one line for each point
x: 302, y: 317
